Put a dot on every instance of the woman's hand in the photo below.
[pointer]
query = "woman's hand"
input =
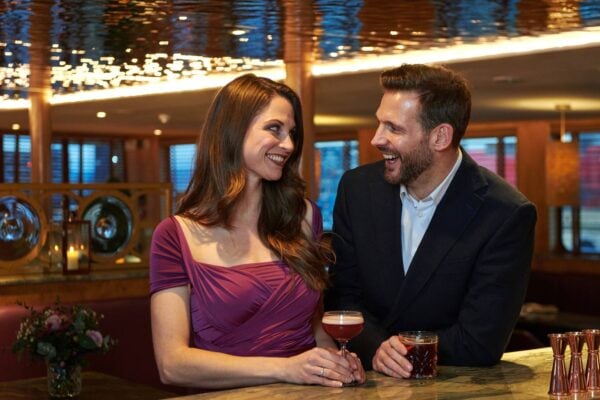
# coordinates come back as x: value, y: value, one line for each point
x: 320, y: 366
x: 358, y: 372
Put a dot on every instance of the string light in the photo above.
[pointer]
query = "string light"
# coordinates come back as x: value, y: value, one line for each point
x: 165, y: 73
x: 103, y: 73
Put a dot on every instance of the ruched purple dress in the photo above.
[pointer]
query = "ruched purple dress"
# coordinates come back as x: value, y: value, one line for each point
x: 257, y: 309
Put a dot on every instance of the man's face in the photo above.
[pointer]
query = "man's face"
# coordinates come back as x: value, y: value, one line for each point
x: 401, y: 138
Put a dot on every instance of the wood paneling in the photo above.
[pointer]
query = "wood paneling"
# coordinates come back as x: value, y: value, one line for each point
x: 366, y: 152
x: 72, y: 291
x: 531, y: 158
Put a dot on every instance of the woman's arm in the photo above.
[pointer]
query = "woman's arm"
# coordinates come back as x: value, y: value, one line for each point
x: 321, y: 337
x: 179, y: 364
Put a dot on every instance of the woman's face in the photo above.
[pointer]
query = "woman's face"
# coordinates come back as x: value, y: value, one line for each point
x: 268, y: 142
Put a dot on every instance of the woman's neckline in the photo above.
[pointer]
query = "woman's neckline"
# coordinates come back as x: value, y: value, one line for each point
x: 238, y: 266
x: 188, y: 251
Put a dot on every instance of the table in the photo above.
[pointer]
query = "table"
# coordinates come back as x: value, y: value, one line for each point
x: 520, y: 375
x: 95, y: 386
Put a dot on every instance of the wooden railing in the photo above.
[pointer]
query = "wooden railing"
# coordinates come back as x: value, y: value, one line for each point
x: 122, y: 217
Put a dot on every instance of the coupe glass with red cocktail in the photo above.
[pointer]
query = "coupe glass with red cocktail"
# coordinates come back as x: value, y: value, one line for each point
x: 343, y: 326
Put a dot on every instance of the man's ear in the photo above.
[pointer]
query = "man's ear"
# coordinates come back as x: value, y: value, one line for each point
x: 441, y: 137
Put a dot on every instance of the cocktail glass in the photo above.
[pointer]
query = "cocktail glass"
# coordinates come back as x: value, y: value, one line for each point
x: 342, y: 326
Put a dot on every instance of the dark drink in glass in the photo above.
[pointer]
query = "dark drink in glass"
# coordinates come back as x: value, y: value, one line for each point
x: 422, y: 353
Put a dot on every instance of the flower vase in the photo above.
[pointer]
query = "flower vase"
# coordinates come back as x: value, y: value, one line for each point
x: 64, y: 380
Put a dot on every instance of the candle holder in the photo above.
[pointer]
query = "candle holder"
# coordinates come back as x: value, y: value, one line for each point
x: 54, y: 244
x: 76, y: 247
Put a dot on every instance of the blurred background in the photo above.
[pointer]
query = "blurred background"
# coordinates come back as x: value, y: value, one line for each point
x: 101, y: 102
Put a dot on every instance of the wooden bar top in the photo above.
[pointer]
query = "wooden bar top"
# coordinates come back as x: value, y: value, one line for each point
x: 520, y: 375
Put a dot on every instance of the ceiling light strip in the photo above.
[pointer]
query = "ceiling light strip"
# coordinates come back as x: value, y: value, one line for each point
x: 462, y: 52
x: 212, y: 81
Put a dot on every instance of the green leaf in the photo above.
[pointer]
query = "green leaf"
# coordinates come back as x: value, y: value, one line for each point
x: 79, y: 323
x: 87, y: 343
x: 46, y: 350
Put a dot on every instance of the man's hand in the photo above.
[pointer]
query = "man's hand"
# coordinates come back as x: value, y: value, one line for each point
x: 390, y: 359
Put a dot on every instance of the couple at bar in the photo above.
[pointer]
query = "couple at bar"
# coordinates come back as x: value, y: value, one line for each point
x: 423, y: 240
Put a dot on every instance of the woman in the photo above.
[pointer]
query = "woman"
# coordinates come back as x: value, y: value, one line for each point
x: 240, y: 267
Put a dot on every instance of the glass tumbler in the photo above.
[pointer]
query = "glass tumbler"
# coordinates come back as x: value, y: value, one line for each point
x: 422, y: 347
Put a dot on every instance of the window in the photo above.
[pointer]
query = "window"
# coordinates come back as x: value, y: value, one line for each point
x: 74, y: 162
x: 87, y: 161
x: 498, y: 154
x: 332, y: 160
x: 589, y: 152
x: 181, y: 165
x: 92, y: 161
x: 586, y: 217
x: 56, y: 156
x: 71, y: 161
x: 24, y: 158
x: 16, y: 158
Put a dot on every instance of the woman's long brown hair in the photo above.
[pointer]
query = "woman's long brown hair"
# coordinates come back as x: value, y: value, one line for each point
x: 219, y: 179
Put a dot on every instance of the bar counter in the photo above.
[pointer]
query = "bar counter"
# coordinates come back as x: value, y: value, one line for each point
x: 520, y: 375
x: 94, y: 386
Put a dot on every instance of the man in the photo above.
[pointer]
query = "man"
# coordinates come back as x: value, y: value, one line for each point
x: 426, y: 239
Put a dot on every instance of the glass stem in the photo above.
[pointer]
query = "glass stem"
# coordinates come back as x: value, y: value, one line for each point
x: 343, y: 348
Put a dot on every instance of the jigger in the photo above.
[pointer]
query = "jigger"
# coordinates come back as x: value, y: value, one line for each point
x: 559, y: 384
x: 576, y: 375
x: 592, y: 367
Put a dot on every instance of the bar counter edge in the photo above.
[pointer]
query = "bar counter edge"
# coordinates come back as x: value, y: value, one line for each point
x: 519, y: 375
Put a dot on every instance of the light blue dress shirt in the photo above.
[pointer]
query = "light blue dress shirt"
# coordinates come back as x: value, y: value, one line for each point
x: 417, y: 214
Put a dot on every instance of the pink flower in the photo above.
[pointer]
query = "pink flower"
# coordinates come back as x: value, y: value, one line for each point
x: 95, y: 336
x: 53, y: 322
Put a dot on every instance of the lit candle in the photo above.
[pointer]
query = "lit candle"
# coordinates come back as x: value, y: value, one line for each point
x: 72, y: 259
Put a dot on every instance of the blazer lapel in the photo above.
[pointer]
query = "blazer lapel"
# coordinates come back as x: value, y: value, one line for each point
x: 386, y: 212
x: 454, y: 213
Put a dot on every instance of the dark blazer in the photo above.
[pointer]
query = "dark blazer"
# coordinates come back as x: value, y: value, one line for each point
x: 467, y: 279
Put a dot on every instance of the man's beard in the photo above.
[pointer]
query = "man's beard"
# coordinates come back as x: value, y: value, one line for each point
x: 413, y: 164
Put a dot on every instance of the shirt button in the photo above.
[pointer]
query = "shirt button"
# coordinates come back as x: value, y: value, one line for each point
x: 420, y: 214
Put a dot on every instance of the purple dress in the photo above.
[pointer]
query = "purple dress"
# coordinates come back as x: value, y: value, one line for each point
x: 256, y: 309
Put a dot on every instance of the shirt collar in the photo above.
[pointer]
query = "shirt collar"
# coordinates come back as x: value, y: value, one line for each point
x: 438, y: 193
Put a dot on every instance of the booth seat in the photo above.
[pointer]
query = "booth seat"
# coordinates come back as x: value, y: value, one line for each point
x: 127, y: 320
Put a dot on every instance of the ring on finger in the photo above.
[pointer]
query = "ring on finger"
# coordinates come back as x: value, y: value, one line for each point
x: 322, y: 371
